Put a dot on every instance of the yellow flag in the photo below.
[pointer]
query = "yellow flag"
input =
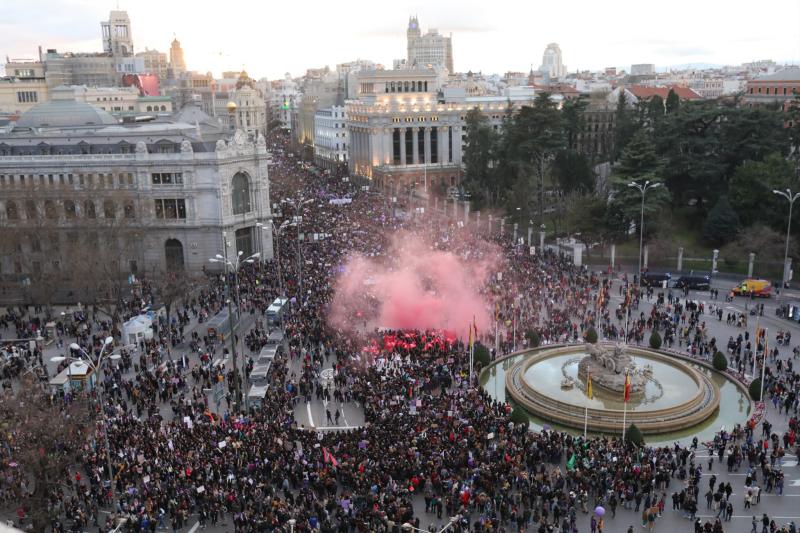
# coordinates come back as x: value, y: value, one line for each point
x: 589, y: 387
x: 470, y: 337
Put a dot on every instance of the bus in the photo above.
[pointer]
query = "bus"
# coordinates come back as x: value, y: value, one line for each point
x: 275, y: 311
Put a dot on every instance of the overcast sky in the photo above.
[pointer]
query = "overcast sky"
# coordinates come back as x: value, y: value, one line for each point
x: 269, y: 38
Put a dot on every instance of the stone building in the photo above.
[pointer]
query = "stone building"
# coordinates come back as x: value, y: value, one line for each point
x: 156, y: 195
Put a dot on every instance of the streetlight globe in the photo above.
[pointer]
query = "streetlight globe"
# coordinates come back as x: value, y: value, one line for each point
x: 115, y: 356
x: 218, y: 256
x: 108, y: 340
x: 74, y: 346
x: 58, y: 359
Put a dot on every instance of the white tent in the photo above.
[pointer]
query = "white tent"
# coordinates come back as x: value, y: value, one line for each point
x: 137, y: 328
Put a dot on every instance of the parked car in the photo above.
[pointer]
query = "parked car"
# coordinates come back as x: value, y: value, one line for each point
x: 694, y: 282
x: 655, y: 279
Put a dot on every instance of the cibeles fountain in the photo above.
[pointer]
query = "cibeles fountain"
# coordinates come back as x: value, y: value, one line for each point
x: 667, y: 393
x: 609, y: 367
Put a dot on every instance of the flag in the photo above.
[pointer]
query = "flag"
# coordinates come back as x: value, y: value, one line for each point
x: 589, y: 387
x: 471, y: 340
x: 496, y: 312
x: 627, y: 387
x: 475, y: 327
x: 328, y: 457
x: 571, y: 462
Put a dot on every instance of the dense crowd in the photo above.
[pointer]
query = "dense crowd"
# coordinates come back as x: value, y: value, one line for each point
x: 434, y: 448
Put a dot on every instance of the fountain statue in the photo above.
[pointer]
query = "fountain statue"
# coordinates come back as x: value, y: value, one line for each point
x: 608, y: 366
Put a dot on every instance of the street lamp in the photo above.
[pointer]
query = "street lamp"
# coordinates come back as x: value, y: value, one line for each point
x: 277, y: 230
x: 408, y: 527
x: 108, y: 341
x: 791, y: 197
x: 642, y: 188
x: 234, y: 265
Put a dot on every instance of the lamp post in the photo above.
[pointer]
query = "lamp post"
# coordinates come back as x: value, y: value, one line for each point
x: 408, y: 527
x: 791, y: 197
x: 95, y: 368
x: 642, y: 188
x: 234, y: 266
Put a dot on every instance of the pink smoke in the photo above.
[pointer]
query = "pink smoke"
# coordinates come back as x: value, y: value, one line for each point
x: 415, y: 287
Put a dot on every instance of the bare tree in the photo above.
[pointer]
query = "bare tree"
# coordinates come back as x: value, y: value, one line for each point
x: 42, y: 436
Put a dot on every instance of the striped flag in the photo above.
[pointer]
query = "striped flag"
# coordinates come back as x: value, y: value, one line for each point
x: 627, y: 387
x: 471, y: 340
x: 589, y: 387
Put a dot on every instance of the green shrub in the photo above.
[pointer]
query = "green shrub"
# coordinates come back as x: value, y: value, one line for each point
x: 720, y: 362
x: 755, y: 389
x: 533, y: 338
x: 591, y: 336
x: 655, y: 340
x: 481, y: 355
x: 519, y: 416
x: 634, y: 436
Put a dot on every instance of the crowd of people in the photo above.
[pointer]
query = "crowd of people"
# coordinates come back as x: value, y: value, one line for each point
x: 435, y: 448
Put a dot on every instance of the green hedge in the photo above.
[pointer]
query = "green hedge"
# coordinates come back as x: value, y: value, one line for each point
x: 519, y: 416
x: 482, y: 355
x: 755, y: 389
x: 634, y: 436
x: 533, y: 338
x: 720, y: 362
x: 591, y: 336
x: 655, y: 340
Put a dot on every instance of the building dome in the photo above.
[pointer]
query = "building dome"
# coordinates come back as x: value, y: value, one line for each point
x: 63, y: 110
x: 231, y: 107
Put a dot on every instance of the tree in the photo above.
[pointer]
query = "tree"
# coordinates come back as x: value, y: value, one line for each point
x: 478, y: 159
x: 625, y: 124
x: 673, y: 102
x: 573, y: 171
x: 639, y: 163
x: 766, y: 242
x: 573, y: 120
x: 171, y: 288
x: 720, y: 361
x: 591, y: 221
x: 42, y: 437
x: 655, y: 340
x: 751, y: 190
x: 722, y: 223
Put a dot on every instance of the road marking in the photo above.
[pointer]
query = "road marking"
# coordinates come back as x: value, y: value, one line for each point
x: 194, y: 527
x: 795, y: 483
x: 310, y: 418
x: 334, y: 428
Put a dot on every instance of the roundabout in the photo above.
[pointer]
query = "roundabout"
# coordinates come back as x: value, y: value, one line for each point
x: 671, y: 395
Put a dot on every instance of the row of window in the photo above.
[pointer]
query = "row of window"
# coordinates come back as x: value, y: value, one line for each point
x: 406, y: 87
x: 775, y: 90
x: 167, y: 178
x: 27, y: 97
x: 170, y: 208
x: 397, y: 120
x: 50, y: 209
x: 124, y: 179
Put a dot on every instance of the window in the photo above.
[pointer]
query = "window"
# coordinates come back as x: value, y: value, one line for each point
x: 130, y: 212
x: 30, y: 210
x: 27, y: 97
x: 240, y: 194
x: 50, y: 210
x: 109, y: 209
x: 11, y: 210
x: 170, y: 208
x: 69, y: 209
x: 90, y: 209
x: 167, y: 178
